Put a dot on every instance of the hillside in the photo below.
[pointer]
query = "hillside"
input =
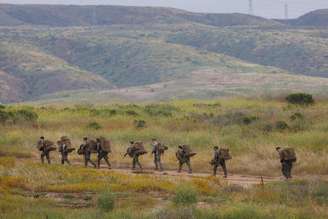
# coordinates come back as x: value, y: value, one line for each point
x: 318, y: 18
x: 57, y: 15
x: 47, y: 51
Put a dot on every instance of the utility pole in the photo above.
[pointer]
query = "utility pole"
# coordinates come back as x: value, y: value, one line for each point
x: 250, y: 7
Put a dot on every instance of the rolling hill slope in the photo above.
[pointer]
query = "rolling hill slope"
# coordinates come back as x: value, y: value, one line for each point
x: 58, y: 15
x: 47, y: 51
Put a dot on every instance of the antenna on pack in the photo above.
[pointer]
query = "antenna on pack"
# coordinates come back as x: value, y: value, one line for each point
x: 250, y: 7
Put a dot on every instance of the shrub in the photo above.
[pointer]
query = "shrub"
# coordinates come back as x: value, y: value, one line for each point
x: 300, y: 99
x: 185, y: 195
x: 131, y: 113
x: 25, y: 116
x: 281, y: 125
x: 160, y: 110
x: 4, y: 116
x: 106, y: 201
x: 94, y: 125
x: 139, y: 123
x: 296, y: 116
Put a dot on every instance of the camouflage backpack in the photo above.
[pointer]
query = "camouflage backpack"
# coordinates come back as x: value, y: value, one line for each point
x: 288, y: 154
x: 105, y: 144
x: 139, y: 148
x: 225, y: 154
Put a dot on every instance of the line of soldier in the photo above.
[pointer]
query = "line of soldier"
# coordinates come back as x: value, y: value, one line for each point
x: 103, y: 147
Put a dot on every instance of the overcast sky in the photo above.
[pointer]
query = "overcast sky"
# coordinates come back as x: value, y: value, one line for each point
x: 265, y: 8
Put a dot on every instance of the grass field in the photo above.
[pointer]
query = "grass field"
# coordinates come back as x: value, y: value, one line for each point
x: 250, y: 128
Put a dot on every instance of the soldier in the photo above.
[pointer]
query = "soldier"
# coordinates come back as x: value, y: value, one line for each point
x: 286, y: 163
x: 157, y: 154
x: 63, y: 149
x: 131, y: 151
x: 87, y: 152
x: 217, y: 161
x: 45, y: 152
x: 183, y: 158
x: 102, y: 154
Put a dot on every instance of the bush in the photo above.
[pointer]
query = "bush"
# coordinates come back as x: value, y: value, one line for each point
x: 300, y: 99
x: 281, y: 125
x: 185, y: 195
x: 160, y: 110
x: 106, y: 201
x: 139, y: 123
x: 94, y: 125
x: 25, y: 116
x: 296, y: 116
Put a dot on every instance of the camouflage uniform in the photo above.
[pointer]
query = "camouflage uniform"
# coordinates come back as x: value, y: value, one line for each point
x: 219, y: 161
x: 102, y: 154
x: 135, y: 157
x: 286, y: 165
x: 87, y: 154
x: 183, y: 158
x: 64, y: 153
x: 157, y: 155
x: 44, y: 151
x: 136, y: 162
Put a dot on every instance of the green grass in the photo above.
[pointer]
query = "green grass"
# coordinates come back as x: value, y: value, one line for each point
x: 28, y: 186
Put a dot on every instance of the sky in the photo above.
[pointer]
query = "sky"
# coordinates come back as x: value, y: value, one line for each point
x: 264, y: 8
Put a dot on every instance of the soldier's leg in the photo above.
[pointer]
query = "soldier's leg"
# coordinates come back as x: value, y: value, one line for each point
x: 134, y: 161
x: 139, y: 162
x: 85, y: 161
x: 99, y: 159
x: 223, y: 164
x: 93, y: 163
x: 48, y: 157
x: 155, y: 162
x: 160, y: 163
x: 66, y: 159
x: 189, y: 166
x: 62, y: 158
x: 215, y: 168
x: 180, y: 166
x: 42, y: 157
x: 284, y: 169
x: 107, y: 160
x: 290, y: 167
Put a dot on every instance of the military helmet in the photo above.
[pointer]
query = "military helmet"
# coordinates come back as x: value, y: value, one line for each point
x: 85, y: 138
x: 131, y: 142
x: 216, y: 147
x: 278, y: 148
x: 42, y: 137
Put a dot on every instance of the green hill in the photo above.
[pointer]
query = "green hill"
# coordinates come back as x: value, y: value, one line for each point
x: 46, y: 51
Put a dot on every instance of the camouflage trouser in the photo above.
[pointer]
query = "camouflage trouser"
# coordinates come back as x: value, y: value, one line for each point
x: 45, y: 154
x: 103, y: 155
x: 64, y: 158
x: 223, y: 165
x: 87, y: 159
x: 157, y: 162
x: 187, y: 162
x: 286, y: 168
x: 136, y: 162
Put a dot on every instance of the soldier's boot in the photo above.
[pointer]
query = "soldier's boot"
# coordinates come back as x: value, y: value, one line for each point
x: 284, y: 170
x: 67, y: 161
x: 138, y: 163
x: 62, y: 161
